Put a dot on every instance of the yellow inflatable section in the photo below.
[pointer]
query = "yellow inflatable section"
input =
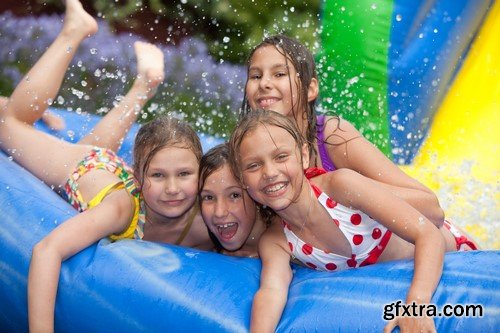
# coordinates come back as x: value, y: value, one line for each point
x: 459, y: 159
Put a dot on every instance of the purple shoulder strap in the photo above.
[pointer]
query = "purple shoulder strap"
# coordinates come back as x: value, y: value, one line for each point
x: 320, y: 136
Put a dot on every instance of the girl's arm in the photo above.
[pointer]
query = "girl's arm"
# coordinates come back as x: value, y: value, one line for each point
x: 347, y: 148
x: 275, y: 278
x: 111, y: 216
x: 352, y: 189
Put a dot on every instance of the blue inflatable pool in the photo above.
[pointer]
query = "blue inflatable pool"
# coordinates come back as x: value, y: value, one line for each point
x: 137, y: 286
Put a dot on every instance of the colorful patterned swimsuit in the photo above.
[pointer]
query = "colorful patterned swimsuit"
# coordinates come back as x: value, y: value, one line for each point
x: 105, y: 159
x: 367, y: 237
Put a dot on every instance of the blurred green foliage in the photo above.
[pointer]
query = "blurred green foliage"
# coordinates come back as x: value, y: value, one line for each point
x: 229, y: 27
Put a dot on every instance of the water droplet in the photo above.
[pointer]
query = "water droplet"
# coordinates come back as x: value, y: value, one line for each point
x: 353, y: 80
x: 399, y: 17
x: 153, y: 107
x: 77, y: 93
x: 93, y: 50
x: 421, y: 220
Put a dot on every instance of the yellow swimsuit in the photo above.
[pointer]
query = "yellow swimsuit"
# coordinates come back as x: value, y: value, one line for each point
x: 105, y: 159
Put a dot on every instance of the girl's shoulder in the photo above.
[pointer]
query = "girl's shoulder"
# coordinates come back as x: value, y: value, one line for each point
x: 338, y: 131
x: 273, y: 231
x: 273, y: 238
x: 198, y: 236
x: 338, y: 182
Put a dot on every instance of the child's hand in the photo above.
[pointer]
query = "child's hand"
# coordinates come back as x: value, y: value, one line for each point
x: 411, y: 324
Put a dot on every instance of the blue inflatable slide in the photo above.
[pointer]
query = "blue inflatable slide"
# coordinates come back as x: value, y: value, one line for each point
x: 138, y: 286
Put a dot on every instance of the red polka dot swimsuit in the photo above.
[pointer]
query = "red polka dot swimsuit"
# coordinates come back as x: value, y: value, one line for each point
x: 367, y: 237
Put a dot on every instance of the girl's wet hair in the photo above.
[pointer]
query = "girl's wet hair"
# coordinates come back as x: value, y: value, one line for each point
x: 303, y: 62
x: 161, y: 132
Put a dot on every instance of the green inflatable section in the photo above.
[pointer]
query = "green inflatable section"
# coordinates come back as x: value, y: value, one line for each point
x: 353, y: 65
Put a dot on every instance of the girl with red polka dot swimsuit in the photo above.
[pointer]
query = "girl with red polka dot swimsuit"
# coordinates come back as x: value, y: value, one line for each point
x: 331, y: 221
x: 367, y: 237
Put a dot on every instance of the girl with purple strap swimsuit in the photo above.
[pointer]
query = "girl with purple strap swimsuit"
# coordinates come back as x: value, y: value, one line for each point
x: 282, y: 77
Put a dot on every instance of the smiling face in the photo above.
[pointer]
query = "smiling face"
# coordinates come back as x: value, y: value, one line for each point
x: 227, y: 209
x: 272, y: 81
x: 272, y: 166
x: 275, y: 83
x: 170, y: 183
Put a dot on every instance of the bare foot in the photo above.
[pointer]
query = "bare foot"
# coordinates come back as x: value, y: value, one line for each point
x: 77, y: 22
x: 149, y: 65
x: 53, y: 121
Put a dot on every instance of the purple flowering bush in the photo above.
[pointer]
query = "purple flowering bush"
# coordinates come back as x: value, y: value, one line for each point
x: 197, y: 88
